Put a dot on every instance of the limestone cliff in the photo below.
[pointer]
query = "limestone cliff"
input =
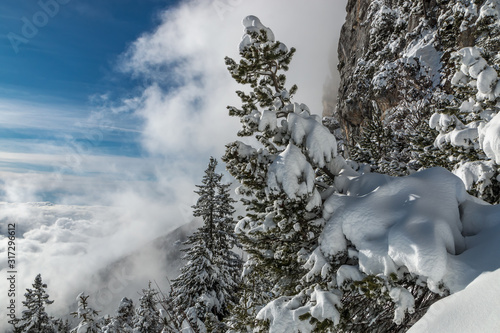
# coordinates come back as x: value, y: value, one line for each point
x: 399, y: 56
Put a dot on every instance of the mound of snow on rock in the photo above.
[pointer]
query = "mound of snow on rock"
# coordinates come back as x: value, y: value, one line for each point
x: 425, y: 222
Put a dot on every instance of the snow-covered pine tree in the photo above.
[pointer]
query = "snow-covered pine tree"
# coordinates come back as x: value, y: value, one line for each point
x: 62, y: 326
x: 34, y: 319
x: 467, y: 123
x: 123, y: 321
x: 209, y: 281
x: 147, y: 315
x: 277, y: 173
x: 227, y: 261
x: 87, y: 316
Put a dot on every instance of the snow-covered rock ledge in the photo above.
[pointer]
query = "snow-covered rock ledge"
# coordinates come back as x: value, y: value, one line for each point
x: 425, y: 222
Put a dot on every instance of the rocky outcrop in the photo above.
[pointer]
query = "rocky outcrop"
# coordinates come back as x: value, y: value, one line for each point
x: 394, y: 54
x: 354, y: 40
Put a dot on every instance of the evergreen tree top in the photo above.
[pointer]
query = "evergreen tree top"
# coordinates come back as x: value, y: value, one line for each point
x: 34, y: 318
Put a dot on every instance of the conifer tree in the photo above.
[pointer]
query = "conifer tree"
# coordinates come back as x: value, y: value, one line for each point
x: 62, y: 326
x: 461, y: 121
x: 277, y: 175
x: 209, y: 280
x: 34, y: 319
x: 123, y: 321
x: 87, y: 316
x: 147, y: 316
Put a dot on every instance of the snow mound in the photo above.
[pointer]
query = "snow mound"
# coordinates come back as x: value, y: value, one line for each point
x: 317, y: 265
x: 489, y: 138
x: 404, y: 301
x: 486, y: 80
x: 423, y: 49
x: 485, y: 77
x: 474, y: 309
x: 425, y: 222
x: 284, y: 313
x: 476, y: 172
x: 307, y: 132
x: 268, y: 120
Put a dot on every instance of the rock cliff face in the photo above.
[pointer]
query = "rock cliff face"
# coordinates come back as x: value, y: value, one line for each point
x: 399, y: 56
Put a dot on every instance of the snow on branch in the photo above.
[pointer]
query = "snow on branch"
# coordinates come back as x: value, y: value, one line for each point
x: 287, y: 315
x: 252, y: 24
x: 416, y: 222
x: 291, y: 173
x: 308, y: 132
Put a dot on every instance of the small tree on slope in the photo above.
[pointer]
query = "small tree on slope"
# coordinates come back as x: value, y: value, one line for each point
x: 34, y: 319
x: 62, y: 326
x: 209, y: 280
x: 123, y: 321
x: 87, y: 315
x: 147, y: 316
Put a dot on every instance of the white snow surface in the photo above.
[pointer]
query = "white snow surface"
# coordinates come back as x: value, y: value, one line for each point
x: 490, y: 8
x: 253, y: 24
x: 475, y: 172
x: 284, y: 312
x: 470, y: 56
x: 441, y: 121
x: 317, y: 265
x: 425, y: 222
x: 489, y: 138
x: 474, y: 309
x: 268, y: 120
x: 424, y: 50
x: 486, y: 80
x: 404, y: 301
x: 291, y: 173
x: 485, y: 77
x: 308, y: 132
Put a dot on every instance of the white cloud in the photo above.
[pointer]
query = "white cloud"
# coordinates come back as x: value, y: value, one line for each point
x: 185, y: 56
x: 72, y: 246
x: 55, y: 118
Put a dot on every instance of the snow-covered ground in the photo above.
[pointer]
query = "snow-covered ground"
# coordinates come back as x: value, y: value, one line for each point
x: 474, y: 309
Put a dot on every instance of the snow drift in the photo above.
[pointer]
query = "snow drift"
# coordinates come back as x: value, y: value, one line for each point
x: 425, y: 222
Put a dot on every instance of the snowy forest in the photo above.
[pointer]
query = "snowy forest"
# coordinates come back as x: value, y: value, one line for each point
x: 382, y: 216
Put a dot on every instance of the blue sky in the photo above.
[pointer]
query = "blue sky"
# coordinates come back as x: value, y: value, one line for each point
x: 58, y: 70
x: 64, y: 63
x: 72, y: 55
x: 104, y: 97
